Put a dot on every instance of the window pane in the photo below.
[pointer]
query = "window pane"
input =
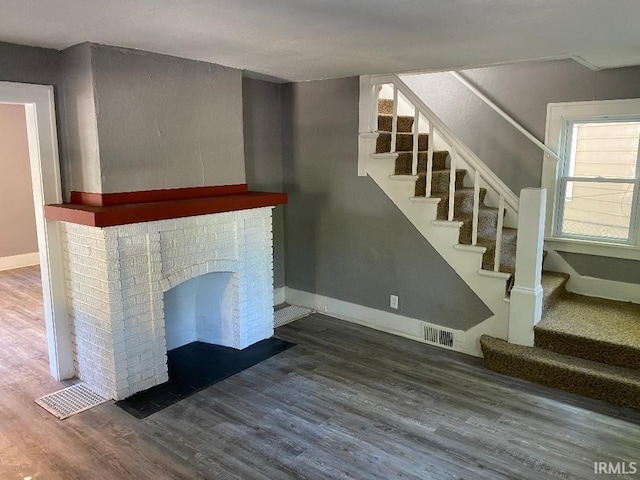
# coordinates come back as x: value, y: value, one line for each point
x: 598, y: 209
x: 607, y: 150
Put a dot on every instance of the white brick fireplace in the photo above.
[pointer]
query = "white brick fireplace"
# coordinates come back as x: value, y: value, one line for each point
x: 118, y: 276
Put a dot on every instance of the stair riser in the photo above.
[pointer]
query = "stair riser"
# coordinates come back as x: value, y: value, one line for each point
x: 551, y: 298
x: 439, y: 183
x: 599, y: 388
x: 385, y: 105
x: 385, y: 122
x: 404, y: 162
x: 589, y: 349
x: 487, y: 226
x: 463, y: 202
x: 507, y: 254
x: 404, y: 142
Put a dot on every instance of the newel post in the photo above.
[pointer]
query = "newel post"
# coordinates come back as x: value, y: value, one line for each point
x: 526, y: 296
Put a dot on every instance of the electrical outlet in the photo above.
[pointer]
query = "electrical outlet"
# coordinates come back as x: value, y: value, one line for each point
x: 393, y: 301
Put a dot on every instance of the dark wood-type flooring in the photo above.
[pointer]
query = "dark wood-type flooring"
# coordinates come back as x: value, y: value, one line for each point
x: 345, y: 402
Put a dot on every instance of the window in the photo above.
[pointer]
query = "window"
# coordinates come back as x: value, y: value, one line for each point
x: 598, y: 180
x: 593, y: 191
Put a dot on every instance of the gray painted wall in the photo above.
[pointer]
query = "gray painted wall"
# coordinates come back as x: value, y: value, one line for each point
x: 523, y: 91
x: 42, y: 66
x: 344, y: 238
x: 81, y: 129
x: 19, y: 63
x: 17, y: 216
x: 262, y: 118
x: 608, y: 268
x: 166, y: 122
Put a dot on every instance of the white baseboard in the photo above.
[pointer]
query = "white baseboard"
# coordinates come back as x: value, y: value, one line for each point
x: 278, y: 296
x: 388, y: 322
x: 593, y: 287
x: 598, y: 287
x: 19, y: 261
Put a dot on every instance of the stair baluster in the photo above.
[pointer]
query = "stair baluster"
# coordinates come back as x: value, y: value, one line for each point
x: 476, y: 207
x: 496, y: 258
x: 394, y: 121
x: 452, y: 184
x: 416, y: 132
x: 429, y: 160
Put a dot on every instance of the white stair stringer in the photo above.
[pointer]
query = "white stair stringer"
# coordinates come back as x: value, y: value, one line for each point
x: 443, y: 236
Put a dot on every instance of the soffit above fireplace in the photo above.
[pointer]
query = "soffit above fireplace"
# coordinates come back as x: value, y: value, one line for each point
x: 110, y: 209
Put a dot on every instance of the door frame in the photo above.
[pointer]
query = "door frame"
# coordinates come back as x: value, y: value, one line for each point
x: 38, y: 101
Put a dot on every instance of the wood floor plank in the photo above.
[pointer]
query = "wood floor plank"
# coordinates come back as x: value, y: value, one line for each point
x: 345, y: 403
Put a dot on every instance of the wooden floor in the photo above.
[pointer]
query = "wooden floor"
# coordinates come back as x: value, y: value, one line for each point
x: 345, y: 402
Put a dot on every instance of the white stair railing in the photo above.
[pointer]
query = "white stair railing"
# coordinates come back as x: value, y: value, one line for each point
x: 546, y: 149
x: 457, y: 151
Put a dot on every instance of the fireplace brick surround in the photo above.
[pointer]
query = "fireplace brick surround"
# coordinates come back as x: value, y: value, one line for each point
x: 117, y: 276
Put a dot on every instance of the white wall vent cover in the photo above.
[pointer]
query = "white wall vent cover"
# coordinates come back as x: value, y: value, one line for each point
x: 69, y: 401
x: 443, y: 337
x: 289, y: 314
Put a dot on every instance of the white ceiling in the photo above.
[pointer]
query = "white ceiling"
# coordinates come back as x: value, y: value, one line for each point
x: 298, y: 40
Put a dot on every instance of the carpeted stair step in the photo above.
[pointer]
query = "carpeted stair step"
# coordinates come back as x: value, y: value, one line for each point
x: 487, y: 223
x: 385, y: 123
x: 405, y: 161
x: 613, y: 384
x: 385, y: 106
x: 404, y: 142
x: 595, y: 329
x: 439, y: 182
x: 463, y: 201
x: 553, y: 286
x: 507, y: 250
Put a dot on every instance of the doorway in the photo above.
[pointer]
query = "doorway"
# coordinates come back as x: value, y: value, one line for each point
x: 39, y: 109
x: 18, y: 238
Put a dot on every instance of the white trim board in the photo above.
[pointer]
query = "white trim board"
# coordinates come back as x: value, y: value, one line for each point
x: 388, y: 322
x: 278, y: 296
x: 47, y: 189
x: 19, y: 261
x: 557, y: 116
x: 590, y: 286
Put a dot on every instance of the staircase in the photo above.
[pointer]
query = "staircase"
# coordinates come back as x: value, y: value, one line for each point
x: 453, y: 199
x: 441, y: 174
x: 584, y: 345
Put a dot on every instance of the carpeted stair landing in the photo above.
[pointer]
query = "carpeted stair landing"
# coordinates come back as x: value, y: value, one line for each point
x: 584, y: 345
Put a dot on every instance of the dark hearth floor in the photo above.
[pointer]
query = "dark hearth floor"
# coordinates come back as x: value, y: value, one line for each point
x: 196, y: 366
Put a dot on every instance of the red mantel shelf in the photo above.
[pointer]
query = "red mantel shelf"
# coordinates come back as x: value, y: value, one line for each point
x: 106, y: 210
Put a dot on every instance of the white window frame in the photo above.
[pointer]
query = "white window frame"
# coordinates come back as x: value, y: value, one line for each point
x: 558, y: 115
x: 564, y: 177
